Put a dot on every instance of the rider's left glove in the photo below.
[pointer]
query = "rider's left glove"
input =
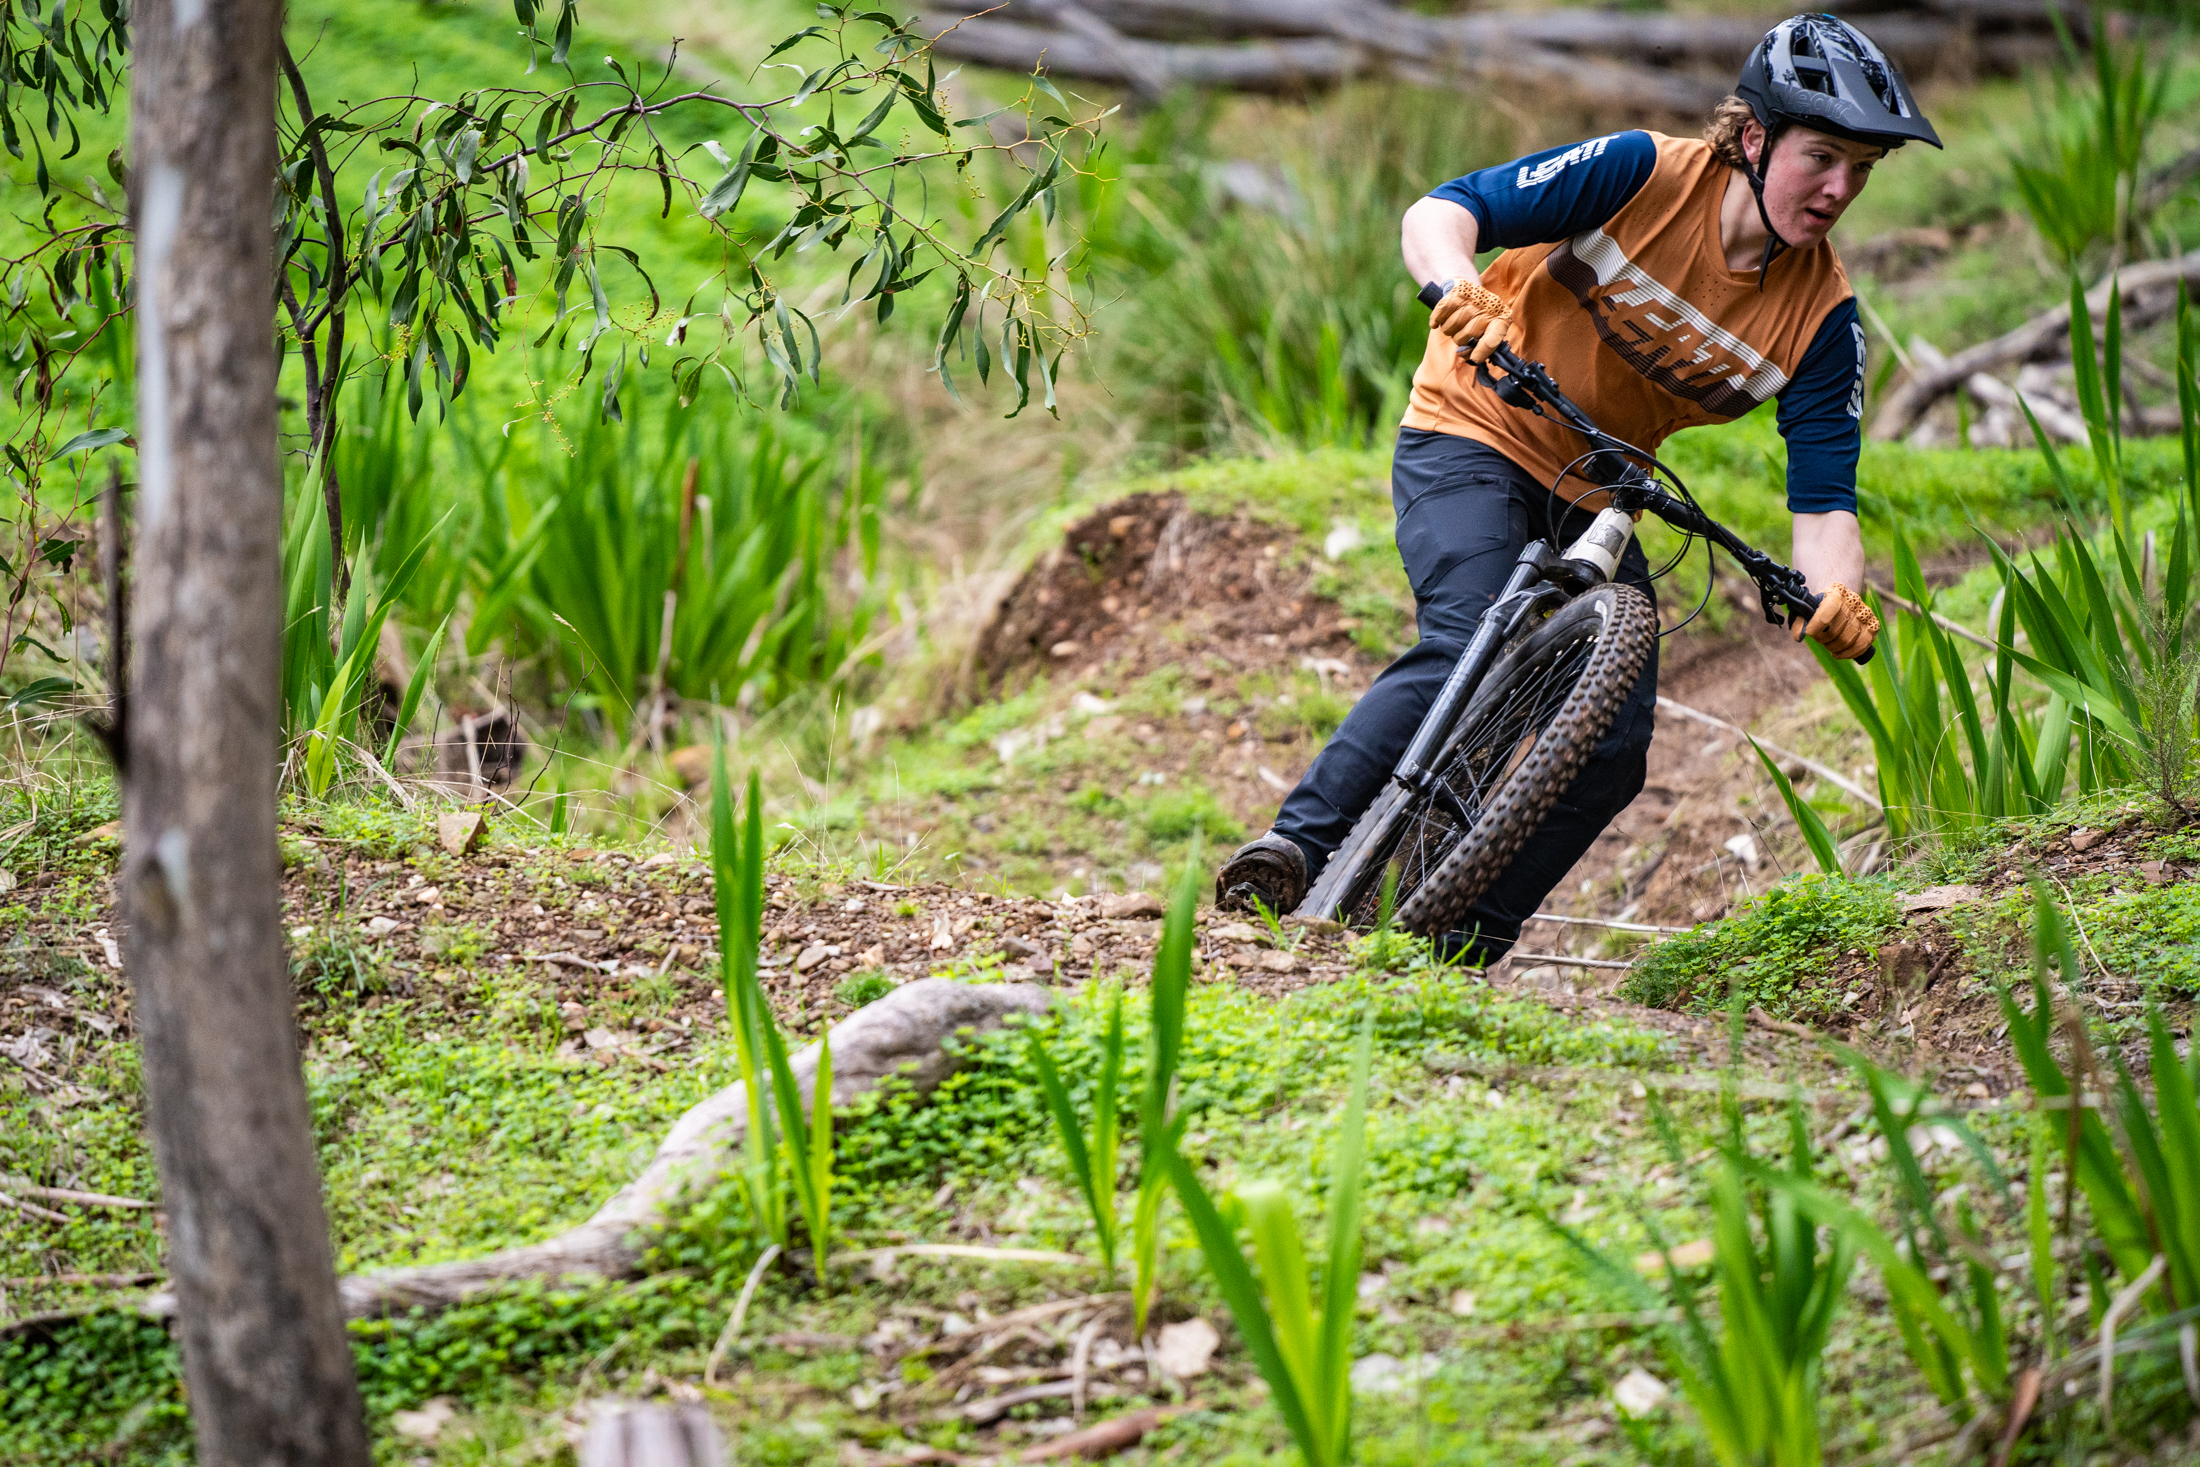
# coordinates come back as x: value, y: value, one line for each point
x: 1842, y: 624
x: 1474, y: 316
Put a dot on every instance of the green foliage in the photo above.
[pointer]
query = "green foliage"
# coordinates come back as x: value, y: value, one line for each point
x: 737, y: 867
x: 336, y: 965
x: 2138, y: 1166
x: 1161, y: 1120
x: 858, y: 989
x: 1178, y: 814
x: 1757, y: 1393
x: 1776, y: 951
x: 325, y: 681
x: 2109, y: 636
x: 2079, y: 177
x: 1941, y: 1284
x: 1300, y: 1340
x: 106, y: 1383
x: 1815, y: 834
x: 1092, y: 1163
x: 1756, y: 1388
x: 729, y: 534
x: 2151, y: 935
x: 1257, y: 320
x: 1916, y: 702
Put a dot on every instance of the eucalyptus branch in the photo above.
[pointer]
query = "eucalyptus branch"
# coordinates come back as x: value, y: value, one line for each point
x: 492, y: 210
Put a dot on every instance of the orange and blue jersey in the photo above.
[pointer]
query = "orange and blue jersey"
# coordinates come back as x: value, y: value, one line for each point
x: 1613, y: 264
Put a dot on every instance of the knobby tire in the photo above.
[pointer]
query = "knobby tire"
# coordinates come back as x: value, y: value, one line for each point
x: 1518, y: 746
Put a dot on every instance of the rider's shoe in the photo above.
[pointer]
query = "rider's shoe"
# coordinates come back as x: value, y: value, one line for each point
x: 1270, y: 870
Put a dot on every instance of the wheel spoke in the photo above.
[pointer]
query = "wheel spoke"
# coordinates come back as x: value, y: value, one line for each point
x: 1483, y: 757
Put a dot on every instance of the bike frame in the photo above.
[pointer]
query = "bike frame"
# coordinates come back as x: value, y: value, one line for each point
x: 1544, y: 577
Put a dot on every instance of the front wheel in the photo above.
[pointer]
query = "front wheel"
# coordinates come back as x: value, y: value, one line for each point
x: 1518, y: 746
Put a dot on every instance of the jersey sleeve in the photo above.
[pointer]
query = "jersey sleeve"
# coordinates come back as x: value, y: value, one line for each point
x: 1822, y: 416
x: 1554, y: 195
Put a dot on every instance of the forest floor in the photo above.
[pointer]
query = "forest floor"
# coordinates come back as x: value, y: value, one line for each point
x: 495, y: 1038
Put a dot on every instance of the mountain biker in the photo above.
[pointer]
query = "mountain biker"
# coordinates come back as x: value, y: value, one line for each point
x: 1668, y: 283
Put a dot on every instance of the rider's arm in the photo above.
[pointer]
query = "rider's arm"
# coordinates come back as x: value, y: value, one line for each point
x: 1821, y: 416
x: 1829, y: 547
x: 1538, y: 199
x: 1438, y: 240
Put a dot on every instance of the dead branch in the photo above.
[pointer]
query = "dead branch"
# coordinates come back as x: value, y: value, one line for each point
x: 905, y: 1034
x: 1640, y: 62
x: 2150, y: 291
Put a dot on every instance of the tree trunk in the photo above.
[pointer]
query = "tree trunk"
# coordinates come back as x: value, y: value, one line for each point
x: 265, y: 1355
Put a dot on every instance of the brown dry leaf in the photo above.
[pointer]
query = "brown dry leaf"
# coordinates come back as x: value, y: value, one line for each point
x: 1184, y: 1350
x: 1687, y: 1255
x: 461, y: 831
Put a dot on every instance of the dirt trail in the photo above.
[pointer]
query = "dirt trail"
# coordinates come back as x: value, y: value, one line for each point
x: 1145, y: 583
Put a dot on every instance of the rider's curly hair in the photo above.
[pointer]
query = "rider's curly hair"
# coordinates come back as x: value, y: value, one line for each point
x: 1724, y: 132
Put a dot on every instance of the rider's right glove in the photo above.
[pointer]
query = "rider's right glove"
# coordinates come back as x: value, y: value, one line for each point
x: 1474, y: 316
x: 1842, y: 624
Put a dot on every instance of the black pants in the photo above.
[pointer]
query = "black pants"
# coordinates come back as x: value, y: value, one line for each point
x: 1465, y: 512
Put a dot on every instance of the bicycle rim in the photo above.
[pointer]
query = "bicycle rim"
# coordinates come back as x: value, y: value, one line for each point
x: 1546, y: 703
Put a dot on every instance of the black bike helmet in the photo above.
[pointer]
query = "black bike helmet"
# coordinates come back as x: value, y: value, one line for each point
x: 1821, y: 73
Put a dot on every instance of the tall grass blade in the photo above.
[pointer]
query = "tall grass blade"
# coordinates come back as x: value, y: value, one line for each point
x: 1301, y: 1342
x: 1093, y: 1165
x: 1159, y: 1130
x: 415, y: 688
x: 737, y: 872
x: 1815, y: 834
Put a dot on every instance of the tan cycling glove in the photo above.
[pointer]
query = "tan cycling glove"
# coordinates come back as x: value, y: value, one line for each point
x: 1843, y: 624
x: 1474, y: 316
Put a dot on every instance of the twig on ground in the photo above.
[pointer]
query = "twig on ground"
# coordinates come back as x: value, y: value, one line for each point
x: 1567, y: 1324
x: 34, y: 1209
x: 82, y: 1199
x: 1763, y: 1020
x: 732, y: 1331
x: 1565, y: 962
x: 959, y: 1250
x: 59, y: 1280
x: 564, y: 960
x: 1105, y: 1438
x: 1615, y: 926
x: 1831, y: 776
x: 993, y: 1408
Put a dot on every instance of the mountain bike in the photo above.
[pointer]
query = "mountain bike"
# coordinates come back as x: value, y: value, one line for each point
x: 1542, y: 679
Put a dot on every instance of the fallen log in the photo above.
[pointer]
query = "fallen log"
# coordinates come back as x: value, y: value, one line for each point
x: 1146, y: 66
x: 1991, y: 392
x: 2149, y: 292
x: 1089, y: 42
x: 1649, y: 62
x: 904, y: 1035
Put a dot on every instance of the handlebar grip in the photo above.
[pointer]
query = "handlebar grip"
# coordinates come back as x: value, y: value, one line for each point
x: 1862, y: 658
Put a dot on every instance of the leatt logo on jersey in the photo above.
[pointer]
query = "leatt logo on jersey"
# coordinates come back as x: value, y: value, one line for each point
x: 1659, y: 334
x: 1551, y: 168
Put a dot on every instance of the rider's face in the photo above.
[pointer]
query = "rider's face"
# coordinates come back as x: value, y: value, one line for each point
x: 1813, y: 179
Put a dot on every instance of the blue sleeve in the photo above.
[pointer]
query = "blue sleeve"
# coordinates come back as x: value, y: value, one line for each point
x: 1550, y: 196
x: 1822, y: 416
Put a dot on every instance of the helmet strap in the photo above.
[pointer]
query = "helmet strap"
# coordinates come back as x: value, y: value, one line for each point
x: 1775, y: 246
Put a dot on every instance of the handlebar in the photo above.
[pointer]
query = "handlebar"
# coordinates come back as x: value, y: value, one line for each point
x: 1623, y: 469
